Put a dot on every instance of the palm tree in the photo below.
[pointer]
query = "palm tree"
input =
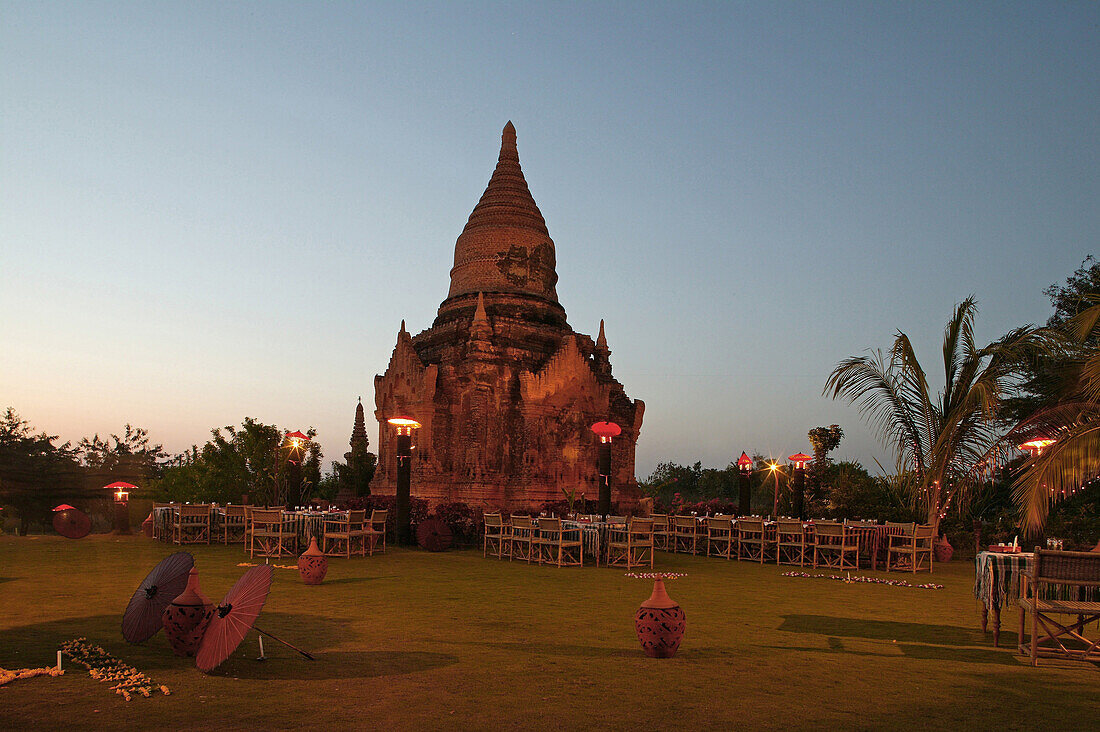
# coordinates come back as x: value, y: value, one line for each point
x: 1072, y: 461
x: 943, y: 441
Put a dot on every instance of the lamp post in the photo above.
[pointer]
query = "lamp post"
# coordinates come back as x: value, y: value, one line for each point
x: 295, y: 444
x: 744, y: 497
x: 774, y: 467
x: 605, y: 430
x: 797, y: 506
x: 122, y: 507
x: 405, y: 427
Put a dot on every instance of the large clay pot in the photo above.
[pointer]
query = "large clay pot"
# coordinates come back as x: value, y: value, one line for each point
x: 943, y: 550
x: 147, y: 525
x: 660, y: 623
x: 313, y: 564
x: 186, y: 617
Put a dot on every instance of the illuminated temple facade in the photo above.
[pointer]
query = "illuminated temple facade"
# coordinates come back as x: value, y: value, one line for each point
x: 504, y: 388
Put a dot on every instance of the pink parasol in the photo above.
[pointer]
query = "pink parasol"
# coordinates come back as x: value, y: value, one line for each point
x: 235, y: 616
x: 433, y: 534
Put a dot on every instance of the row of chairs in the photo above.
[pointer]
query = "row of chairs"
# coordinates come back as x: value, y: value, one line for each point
x: 523, y: 538
x: 830, y: 544
x: 272, y: 532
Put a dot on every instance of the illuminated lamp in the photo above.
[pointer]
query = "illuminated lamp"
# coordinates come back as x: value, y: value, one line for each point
x: 404, y: 427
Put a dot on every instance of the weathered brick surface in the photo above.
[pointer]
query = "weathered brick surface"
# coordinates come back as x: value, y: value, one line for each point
x: 504, y: 388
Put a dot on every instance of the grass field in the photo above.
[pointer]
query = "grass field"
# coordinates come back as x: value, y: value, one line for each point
x: 411, y: 640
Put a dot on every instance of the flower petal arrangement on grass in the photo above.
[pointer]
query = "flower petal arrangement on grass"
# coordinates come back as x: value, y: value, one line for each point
x: 865, y: 580
x: 9, y: 675
x: 102, y: 666
x: 656, y: 575
x: 276, y: 566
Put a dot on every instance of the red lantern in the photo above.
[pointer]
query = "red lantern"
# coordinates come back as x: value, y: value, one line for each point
x: 606, y: 430
x: 744, y: 463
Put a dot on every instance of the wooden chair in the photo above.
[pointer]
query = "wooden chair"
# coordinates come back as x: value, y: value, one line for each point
x: 523, y: 543
x: 790, y: 542
x: 345, y: 534
x: 495, y: 537
x: 752, y: 540
x: 720, y: 536
x: 192, y: 525
x: 909, y: 550
x: 662, y: 534
x: 632, y: 545
x: 833, y: 543
x: 376, y: 530
x: 683, y: 534
x: 1057, y: 584
x: 558, y: 546
x: 269, y: 534
x: 234, y: 523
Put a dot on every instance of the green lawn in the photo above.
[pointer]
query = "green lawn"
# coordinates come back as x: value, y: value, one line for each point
x: 416, y: 640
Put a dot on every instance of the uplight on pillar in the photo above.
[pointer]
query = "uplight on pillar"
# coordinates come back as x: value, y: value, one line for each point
x: 405, y: 427
x: 605, y: 431
x: 744, y: 498
x: 797, y: 499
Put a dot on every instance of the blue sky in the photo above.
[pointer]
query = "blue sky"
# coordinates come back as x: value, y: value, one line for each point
x: 210, y: 211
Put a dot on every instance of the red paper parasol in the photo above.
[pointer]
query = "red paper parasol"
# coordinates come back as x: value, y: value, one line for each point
x: 433, y: 534
x: 143, y: 616
x: 120, y: 484
x: 63, y: 507
x: 71, y: 522
x: 235, y: 616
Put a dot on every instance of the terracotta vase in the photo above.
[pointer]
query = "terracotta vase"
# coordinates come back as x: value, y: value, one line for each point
x: 147, y: 525
x: 660, y: 623
x: 942, y: 549
x: 313, y: 564
x: 186, y: 617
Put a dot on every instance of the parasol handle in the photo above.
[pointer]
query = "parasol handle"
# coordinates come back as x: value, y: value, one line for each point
x: 280, y: 640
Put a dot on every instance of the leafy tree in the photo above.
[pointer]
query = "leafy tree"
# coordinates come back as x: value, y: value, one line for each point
x: 128, y: 457
x: 1050, y: 374
x: 35, y: 474
x: 824, y: 440
x: 944, y: 439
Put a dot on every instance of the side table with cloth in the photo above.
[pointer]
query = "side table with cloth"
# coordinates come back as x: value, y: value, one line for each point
x: 997, y: 581
x: 872, y: 537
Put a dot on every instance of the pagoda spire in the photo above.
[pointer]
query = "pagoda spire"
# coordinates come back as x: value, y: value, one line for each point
x: 359, y: 431
x: 505, y: 246
x: 481, y: 329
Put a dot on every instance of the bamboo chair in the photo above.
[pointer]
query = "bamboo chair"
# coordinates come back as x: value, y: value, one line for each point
x: 683, y: 533
x: 192, y: 525
x: 234, y: 523
x: 908, y: 551
x: 662, y: 535
x: 345, y: 534
x: 495, y: 537
x: 631, y: 546
x: 720, y: 536
x: 752, y: 540
x: 559, y: 546
x: 376, y: 529
x: 269, y: 534
x: 833, y: 542
x: 790, y: 542
x: 1073, y: 575
x: 523, y: 544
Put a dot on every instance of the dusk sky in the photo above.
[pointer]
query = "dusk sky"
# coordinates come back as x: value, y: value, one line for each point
x: 217, y: 210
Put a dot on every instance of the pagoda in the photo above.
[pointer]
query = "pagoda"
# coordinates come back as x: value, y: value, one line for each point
x: 504, y: 389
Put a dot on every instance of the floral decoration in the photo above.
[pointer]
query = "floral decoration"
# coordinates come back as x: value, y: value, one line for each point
x: 866, y: 580
x: 9, y: 675
x: 102, y: 666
